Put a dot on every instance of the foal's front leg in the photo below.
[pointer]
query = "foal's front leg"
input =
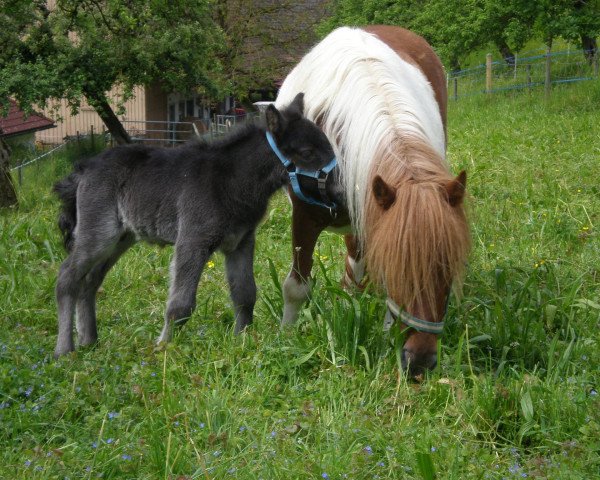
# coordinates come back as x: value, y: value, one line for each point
x: 186, y: 268
x: 239, y: 265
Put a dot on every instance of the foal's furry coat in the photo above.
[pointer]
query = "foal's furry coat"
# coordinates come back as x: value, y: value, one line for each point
x: 200, y: 197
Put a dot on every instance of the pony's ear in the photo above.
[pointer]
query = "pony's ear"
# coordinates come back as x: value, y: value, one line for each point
x: 383, y: 193
x: 456, y: 189
x: 297, y: 105
x: 275, y: 121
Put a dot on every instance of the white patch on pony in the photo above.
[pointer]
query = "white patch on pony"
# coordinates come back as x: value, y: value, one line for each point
x: 295, y: 293
x: 364, y: 96
x: 358, y: 269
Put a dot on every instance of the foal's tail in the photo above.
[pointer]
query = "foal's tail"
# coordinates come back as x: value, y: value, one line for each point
x: 66, y: 190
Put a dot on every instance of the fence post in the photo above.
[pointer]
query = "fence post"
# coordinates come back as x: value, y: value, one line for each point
x: 516, y: 60
x: 596, y: 61
x: 92, y: 137
x: 488, y: 73
x: 547, y: 80
x: 455, y: 88
x: 528, y: 70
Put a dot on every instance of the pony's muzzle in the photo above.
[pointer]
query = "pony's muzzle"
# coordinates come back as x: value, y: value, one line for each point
x: 417, y: 364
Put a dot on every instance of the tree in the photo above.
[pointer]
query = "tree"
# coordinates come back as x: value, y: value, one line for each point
x: 8, y: 196
x: 264, y: 39
x: 81, y: 49
x: 456, y: 28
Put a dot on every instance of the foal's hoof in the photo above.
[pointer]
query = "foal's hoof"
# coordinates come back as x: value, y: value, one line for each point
x: 59, y: 352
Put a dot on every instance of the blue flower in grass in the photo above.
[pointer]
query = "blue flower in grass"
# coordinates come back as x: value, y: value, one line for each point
x: 112, y: 415
x: 125, y: 456
x: 368, y: 450
x: 325, y: 476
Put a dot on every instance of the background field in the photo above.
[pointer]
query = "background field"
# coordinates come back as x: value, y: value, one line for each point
x: 515, y: 394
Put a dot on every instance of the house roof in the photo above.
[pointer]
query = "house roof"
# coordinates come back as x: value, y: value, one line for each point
x: 18, y: 123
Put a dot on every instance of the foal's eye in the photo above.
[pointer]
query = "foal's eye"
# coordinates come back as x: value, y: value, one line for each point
x: 306, y: 152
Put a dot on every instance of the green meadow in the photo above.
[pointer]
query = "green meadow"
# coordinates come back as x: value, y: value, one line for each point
x: 515, y: 394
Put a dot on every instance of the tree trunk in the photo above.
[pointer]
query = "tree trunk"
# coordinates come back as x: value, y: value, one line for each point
x: 8, y: 196
x: 506, y: 52
x: 590, y: 48
x: 112, y: 122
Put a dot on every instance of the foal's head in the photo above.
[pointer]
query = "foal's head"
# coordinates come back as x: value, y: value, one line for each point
x: 299, y: 139
x: 417, y: 241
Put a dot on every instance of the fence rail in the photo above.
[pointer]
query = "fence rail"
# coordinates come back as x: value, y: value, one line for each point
x: 524, y: 72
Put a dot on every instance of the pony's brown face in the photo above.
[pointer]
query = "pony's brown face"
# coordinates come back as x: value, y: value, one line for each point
x: 417, y: 247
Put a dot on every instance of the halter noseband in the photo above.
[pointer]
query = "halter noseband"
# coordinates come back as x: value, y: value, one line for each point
x: 394, y: 312
x: 320, y: 176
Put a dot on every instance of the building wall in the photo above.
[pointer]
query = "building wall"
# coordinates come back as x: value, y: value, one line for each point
x: 69, y: 125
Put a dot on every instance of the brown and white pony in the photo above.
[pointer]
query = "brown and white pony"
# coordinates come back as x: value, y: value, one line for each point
x: 379, y: 94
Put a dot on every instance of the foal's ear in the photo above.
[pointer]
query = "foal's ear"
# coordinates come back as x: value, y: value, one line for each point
x: 456, y: 189
x: 383, y: 193
x: 297, y: 105
x: 275, y: 121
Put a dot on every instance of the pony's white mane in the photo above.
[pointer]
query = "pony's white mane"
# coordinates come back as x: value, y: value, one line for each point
x: 366, y: 99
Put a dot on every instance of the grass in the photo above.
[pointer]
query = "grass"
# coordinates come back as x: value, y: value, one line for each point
x: 514, y: 396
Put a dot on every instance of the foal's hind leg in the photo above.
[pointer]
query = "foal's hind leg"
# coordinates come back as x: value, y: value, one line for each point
x: 86, y: 301
x: 240, y: 276
x: 186, y: 268
x: 68, y: 287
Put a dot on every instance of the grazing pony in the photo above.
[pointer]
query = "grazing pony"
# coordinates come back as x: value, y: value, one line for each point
x: 200, y: 197
x: 379, y: 94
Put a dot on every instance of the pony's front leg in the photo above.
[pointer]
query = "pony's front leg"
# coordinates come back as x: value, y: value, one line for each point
x: 240, y: 276
x: 354, y: 277
x: 296, y: 288
x: 186, y: 268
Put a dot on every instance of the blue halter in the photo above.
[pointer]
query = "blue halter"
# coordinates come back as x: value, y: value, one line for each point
x: 320, y: 176
x: 394, y: 312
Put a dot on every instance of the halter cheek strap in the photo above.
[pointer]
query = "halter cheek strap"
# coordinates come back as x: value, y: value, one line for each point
x: 394, y: 312
x: 320, y: 176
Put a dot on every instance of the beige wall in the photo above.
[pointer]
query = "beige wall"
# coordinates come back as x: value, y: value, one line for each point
x: 69, y: 125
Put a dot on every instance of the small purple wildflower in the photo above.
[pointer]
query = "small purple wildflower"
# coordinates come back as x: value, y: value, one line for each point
x: 38, y: 468
x: 94, y: 444
x: 201, y: 425
x: 242, y: 428
x: 109, y: 440
x: 273, y: 434
x: 523, y: 475
x: 176, y: 423
x: 144, y: 363
x: 231, y: 470
x: 368, y: 449
x: 4, y: 405
x: 112, y: 415
x: 325, y: 476
x: 125, y: 456
x: 153, y: 374
x: 433, y: 449
x: 27, y: 463
x: 593, y: 393
x: 514, y: 468
x: 216, y: 453
x: 28, y: 391
x: 380, y: 464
